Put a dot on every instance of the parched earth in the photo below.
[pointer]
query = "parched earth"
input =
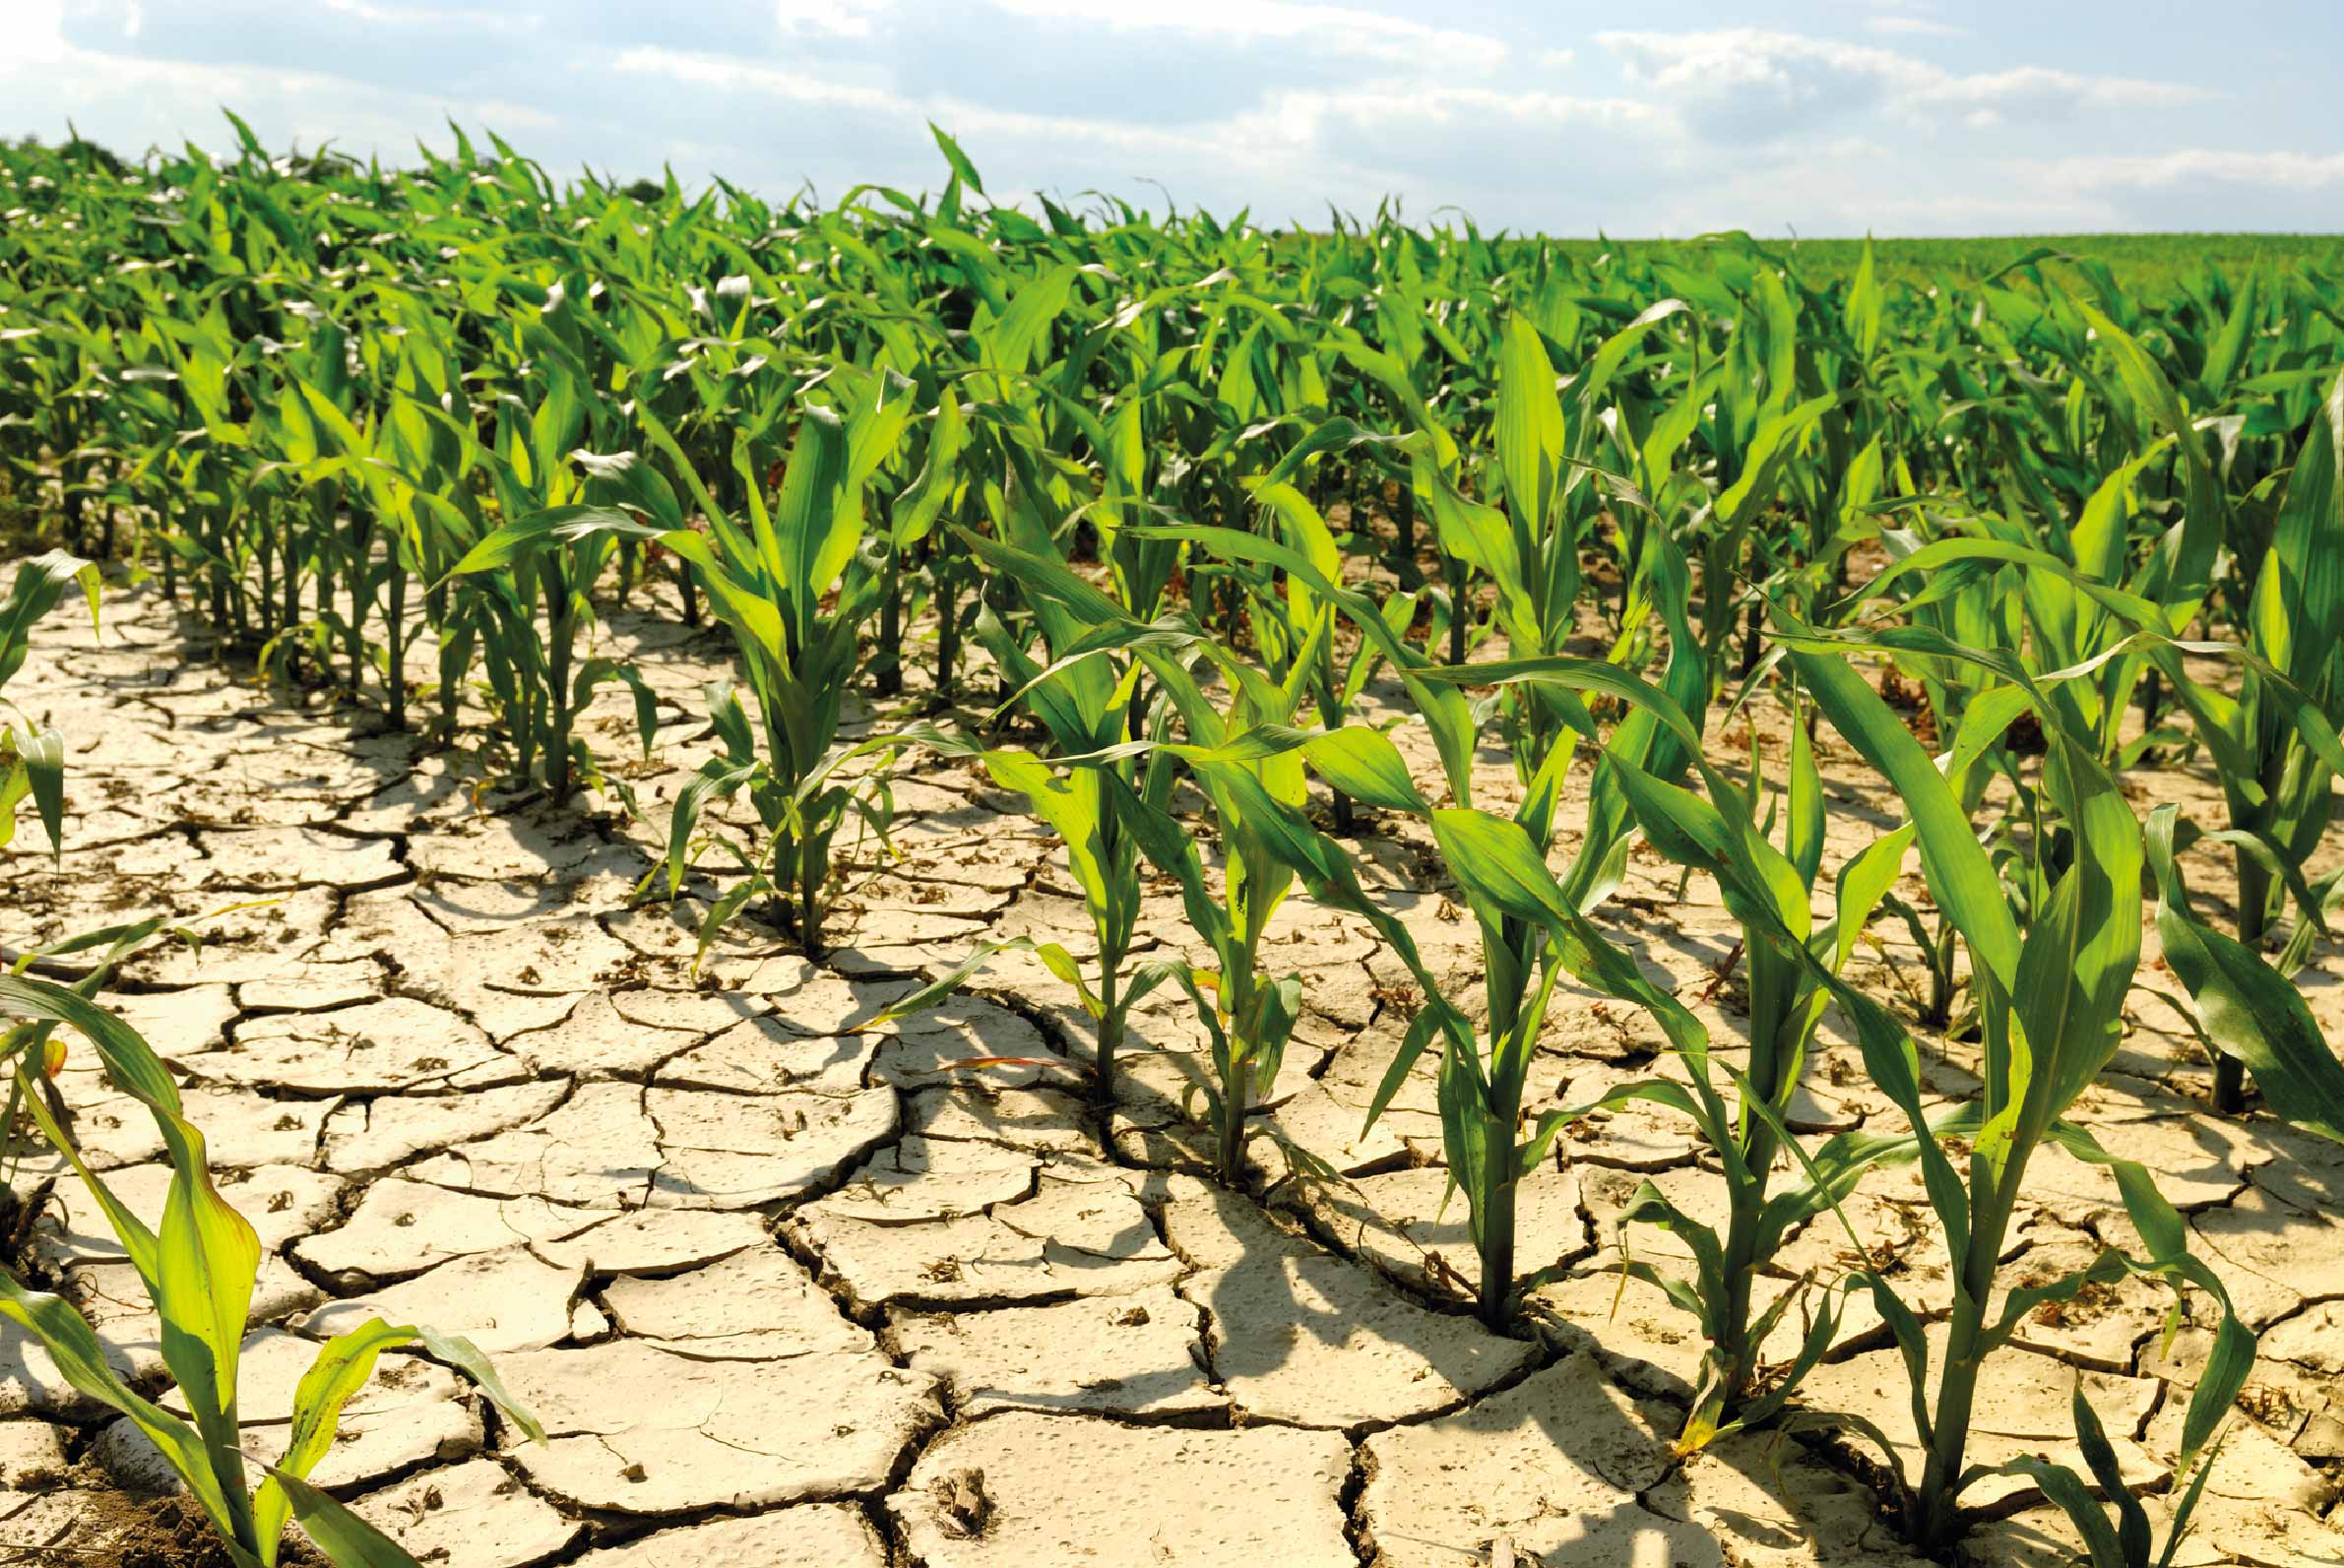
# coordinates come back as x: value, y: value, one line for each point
x: 789, y: 1285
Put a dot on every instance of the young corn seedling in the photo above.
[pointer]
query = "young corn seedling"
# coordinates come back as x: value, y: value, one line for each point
x: 794, y: 591
x: 1247, y: 1015
x: 1249, y: 762
x: 1791, y: 959
x: 1292, y: 623
x: 1554, y: 494
x: 2050, y: 1013
x: 2275, y: 743
x: 197, y: 1268
x: 33, y: 758
x: 1090, y: 807
x: 547, y: 552
x: 1088, y: 705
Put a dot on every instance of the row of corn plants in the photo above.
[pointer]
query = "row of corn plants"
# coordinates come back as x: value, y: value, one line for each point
x: 198, y: 1261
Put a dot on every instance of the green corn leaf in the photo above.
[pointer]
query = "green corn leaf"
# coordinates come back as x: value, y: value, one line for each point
x: 1863, y: 883
x: 80, y: 1360
x: 347, y: 1541
x: 1498, y: 867
x: 1365, y: 765
x: 1650, y: 1205
x: 1770, y: 453
x: 1864, y: 307
x: 2075, y: 968
x: 1075, y: 808
x: 131, y: 1064
x: 343, y: 1366
x: 2133, y: 1532
x: 2301, y: 586
x: 2162, y: 1230
x: 1529, y: 431
x: 1833, y: 1171
x: 15, y: 785
x: 810, y: 537
x: 41, y: 763
x: 1960, y: 877
x: 457, y: 1352
x: 207, y: 1260
x: 2244, y: 1005
x: 1805, y: 830
x: 1054, y: 958
x: 596, y: 671
x: 713, y: 778
x: 39, y: 583
x: 559, y: 524
x: 1888, y: 1052
x: 917, y: 508
x: 2063, y: 1486
x: 961, y: 169
x: 2185, y: 559
x: 2183, y: 1512
x: 1654, y: 1091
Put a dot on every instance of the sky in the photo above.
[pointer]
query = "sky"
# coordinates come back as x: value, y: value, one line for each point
x: 1815, y: 117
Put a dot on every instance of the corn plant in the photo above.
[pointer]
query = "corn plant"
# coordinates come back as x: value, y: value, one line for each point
x: 2274, y: 744
x: 1090, y: 709
x: 1534, y: 928
x: 2050, y: 1014
x: 33, y: 759
x: 1791, y: 960
x: 794, y: 591
x: 197, y: 1268
x: 1554, y: 491
x: 1251, y: 762
x: 545, y: 556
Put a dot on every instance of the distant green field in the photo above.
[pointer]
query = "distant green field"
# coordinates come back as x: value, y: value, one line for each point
x: 2143, y: 263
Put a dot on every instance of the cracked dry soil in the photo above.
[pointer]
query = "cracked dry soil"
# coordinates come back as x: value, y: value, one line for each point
x: 789, y: 1286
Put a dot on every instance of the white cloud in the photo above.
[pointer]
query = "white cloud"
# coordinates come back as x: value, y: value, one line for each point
x: 2205, y: 189
x: 1340, y: 28
x: 2305, y: 172
x: 1335, y: 28
x: 38, y: 37
x: 135, y: 101
x: 795, y: 87
x: 1741, y: 81
x: 2047, y: 93
x: 1705, y: 62
x: 1915, y: 27
x: 427, y: 16
x: 837, y: 19
x: 1835, y: 123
